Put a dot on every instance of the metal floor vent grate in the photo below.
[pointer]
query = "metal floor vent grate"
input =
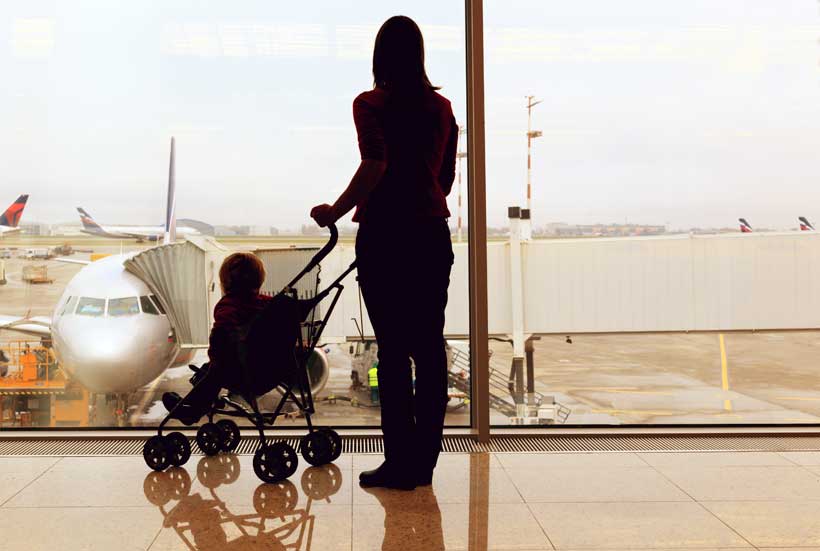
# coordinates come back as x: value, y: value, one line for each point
x: 119, y: 446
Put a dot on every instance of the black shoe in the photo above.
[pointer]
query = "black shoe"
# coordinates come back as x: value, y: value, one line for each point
x: 385, y: 477
x: 170, y: 400
x: 424, y: 479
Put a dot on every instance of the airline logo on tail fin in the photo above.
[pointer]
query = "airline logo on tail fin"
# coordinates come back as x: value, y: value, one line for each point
x: 11, y: 217
x: 745, y: 227
x: 88, y: 222
x: 805, y: 225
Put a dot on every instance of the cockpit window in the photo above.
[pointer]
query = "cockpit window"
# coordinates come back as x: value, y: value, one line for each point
x: 70, y: 304
x: 158, y: 304
x: 94, y: 307
x: 127, y: 306
x: 148, y: 306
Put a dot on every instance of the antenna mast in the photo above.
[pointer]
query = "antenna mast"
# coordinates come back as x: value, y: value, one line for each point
x: 460, y: 155
x: 531, y: 102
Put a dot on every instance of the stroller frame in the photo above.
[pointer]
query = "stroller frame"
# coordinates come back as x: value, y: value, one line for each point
x: 277, y: 461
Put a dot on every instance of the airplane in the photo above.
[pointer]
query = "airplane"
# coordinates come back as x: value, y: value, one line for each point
x: 745, y: 227
x: 109, y: 331
x: 140, y: 233
x: 805, y: 225
x: 10, y: 219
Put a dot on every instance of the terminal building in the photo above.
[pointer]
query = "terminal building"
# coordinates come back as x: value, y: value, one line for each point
x: 614, y: 374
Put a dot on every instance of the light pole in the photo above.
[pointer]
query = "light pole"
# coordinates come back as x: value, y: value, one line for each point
x: 460, y: 155
x: 530, y: 135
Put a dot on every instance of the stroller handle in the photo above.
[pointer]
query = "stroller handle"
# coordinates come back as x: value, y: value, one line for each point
x: 318, y: 257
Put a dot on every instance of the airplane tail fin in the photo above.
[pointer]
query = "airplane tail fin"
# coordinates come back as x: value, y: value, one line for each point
x: 745, y: 227
x: 11, y: 216
x: 170, y: 210
x: 805, y: 225
x: 88, y: 223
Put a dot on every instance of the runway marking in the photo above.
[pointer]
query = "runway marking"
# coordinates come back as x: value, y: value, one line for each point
x: 592, y: 388
x: 634, y: 412
x: 725, y: 415
x: 724, y: 373
x: 134, y: 420
x: 641, y: 392
x: 617, y: 390
x: 800, y: 398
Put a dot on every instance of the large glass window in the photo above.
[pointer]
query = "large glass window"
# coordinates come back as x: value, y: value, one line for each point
x: 258, y: 98
x: 665, y: 151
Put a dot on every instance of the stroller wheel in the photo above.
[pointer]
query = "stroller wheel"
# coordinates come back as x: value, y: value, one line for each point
x: 209, y: 437
x: 275, y: 462
x: 179, y: 448
x: 230, y: 468
x: 209, y: 472
x: 155, y: 453
x: 155, y: 487
x: 179, y: 482
x: 274, y: 500
x: 321, y: 482
x: 336, y: 440
x: 230, y: 433
x: 317, y: 448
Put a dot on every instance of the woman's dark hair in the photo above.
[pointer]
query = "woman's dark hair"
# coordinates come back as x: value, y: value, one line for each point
x: 241, y: 273
x: 398, y: 57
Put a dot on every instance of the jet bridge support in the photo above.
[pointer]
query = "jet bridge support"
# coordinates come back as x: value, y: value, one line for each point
x: 530, y: 407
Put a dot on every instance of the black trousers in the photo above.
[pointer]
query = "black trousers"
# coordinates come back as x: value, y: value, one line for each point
x: 404, y: 273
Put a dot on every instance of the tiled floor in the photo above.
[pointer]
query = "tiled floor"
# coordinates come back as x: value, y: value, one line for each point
x: 479, y: 501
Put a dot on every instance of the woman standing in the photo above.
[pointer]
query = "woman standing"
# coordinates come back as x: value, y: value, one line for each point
x: 407, y: 139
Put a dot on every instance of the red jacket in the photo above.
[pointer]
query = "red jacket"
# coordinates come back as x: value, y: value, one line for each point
x: 418, y: 140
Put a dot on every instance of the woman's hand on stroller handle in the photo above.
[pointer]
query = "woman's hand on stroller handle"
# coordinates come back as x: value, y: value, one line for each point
x: 324, y: 215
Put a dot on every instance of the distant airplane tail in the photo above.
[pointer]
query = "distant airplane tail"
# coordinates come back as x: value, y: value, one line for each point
x: 11, y: 217
x: 745, y: 227
x: 805, y: 225
x: 89, y: 224
x: 171, y: 205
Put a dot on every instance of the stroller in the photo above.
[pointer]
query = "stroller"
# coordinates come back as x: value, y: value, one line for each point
x: 273, y: 350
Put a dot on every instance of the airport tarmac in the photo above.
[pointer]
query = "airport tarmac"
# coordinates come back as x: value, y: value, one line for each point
x: 680, y: 378
x: 603, y: 379
x: 337, y: 404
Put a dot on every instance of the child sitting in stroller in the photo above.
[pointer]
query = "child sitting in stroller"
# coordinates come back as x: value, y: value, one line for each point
x: 241, y: 277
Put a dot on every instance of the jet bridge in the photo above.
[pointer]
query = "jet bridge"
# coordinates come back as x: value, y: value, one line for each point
x: 282, y: 265
x: 185, y: 278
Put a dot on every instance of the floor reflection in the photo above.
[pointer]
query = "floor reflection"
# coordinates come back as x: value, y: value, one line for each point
x: 204, y: 522
x: 411, y: 520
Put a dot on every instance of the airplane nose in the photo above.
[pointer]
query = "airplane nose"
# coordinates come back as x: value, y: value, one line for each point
x: 112, y: 357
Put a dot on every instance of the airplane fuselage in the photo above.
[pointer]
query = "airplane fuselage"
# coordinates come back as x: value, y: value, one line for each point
x: 108, y: 333
x: 139, y: 233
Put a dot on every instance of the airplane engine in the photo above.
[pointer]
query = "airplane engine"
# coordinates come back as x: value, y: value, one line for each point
x: 184, y: 357
x: 318, y: 370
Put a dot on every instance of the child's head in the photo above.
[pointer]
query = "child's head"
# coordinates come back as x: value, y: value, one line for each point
x: 241, y: 273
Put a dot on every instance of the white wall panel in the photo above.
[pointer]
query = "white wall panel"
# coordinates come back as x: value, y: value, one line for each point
x: 667, y: 283
x: 673, y: 283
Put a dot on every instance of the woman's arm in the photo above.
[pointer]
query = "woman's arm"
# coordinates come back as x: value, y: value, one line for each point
x: 367, y: 176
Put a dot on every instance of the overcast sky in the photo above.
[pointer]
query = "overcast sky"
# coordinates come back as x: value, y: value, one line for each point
x: 687, y: 113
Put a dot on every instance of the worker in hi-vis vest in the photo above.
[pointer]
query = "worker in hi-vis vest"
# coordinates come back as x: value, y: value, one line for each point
x: 373, y: 381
